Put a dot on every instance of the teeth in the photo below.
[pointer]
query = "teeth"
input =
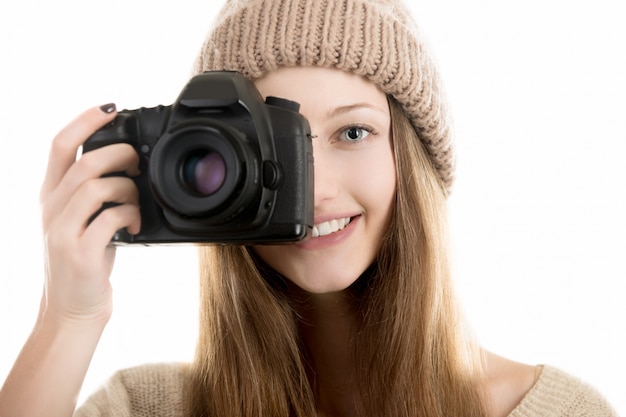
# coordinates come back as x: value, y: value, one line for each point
x: 329, y: 227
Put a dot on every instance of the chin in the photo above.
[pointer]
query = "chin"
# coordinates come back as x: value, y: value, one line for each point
x: 320, y: 289
x: 315, y: 285
x: 315, y: 277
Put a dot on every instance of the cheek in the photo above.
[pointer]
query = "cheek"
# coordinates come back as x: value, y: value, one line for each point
x: 376, y: 180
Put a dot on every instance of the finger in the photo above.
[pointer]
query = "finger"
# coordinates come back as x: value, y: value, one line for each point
x: 69, y: 223
x: 101, y: 230
x: 66, y: 143
x: 113, y: 158
x: 90, y: 197
x: 119, y: 157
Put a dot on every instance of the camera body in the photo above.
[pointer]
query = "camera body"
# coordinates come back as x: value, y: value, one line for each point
x: 219, y: 165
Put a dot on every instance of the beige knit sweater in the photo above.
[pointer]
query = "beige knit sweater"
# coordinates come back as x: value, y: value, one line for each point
x: 156, y: 391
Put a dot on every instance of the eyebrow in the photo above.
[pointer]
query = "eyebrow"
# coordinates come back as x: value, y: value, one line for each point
x: 352, y: 107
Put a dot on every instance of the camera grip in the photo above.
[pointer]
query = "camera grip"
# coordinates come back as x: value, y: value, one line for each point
x: 122, y: 129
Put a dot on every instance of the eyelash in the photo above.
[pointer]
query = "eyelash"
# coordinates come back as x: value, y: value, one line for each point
x: 363, y: 128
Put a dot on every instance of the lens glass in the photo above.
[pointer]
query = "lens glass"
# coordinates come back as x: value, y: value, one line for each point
x: 204, y: 172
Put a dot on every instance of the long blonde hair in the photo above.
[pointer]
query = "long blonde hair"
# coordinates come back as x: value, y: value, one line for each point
x: 412, y: 348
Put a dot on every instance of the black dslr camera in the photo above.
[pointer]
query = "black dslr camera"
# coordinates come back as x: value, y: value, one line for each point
x: 220, y: 165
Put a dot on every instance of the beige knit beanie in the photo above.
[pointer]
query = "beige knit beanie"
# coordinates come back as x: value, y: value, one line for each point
x: 373, y: 38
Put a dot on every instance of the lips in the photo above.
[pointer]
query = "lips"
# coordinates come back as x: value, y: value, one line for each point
x: 331, y: 226
x: 329, y: 231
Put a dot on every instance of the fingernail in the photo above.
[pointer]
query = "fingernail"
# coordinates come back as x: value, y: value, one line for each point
x: 108, y: 108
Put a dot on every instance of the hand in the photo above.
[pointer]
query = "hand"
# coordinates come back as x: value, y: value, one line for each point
x: 79, y: 259
x: 76, y: 304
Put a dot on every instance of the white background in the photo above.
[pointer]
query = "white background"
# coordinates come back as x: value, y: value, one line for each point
x: 538, y: 93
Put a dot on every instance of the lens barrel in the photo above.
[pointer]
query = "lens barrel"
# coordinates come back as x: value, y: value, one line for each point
x: 204, y: 170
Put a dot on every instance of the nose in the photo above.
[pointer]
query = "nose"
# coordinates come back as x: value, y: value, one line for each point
x: 325, y: 175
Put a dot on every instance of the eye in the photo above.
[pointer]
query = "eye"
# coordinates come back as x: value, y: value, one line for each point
x: 355, y: 133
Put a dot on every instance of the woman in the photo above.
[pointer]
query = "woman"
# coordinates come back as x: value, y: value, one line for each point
x: 358, y: 319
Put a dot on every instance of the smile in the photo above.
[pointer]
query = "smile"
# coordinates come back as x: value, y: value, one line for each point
x: 332, y: 226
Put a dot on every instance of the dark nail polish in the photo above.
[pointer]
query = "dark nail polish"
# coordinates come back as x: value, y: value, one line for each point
x: 108, y: 108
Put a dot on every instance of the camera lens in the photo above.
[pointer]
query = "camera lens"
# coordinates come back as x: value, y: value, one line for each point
x: 204, y: 172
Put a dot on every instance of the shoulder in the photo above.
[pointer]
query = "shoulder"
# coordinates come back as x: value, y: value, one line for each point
x: 508, y: 382
x: 520, y: 390
x: 149, y: 390
x: 557, y: 393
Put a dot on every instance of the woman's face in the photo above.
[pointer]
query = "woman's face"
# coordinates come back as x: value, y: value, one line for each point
x: 355, y: 176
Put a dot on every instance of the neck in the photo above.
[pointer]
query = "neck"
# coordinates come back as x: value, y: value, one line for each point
x: 327, y: 325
